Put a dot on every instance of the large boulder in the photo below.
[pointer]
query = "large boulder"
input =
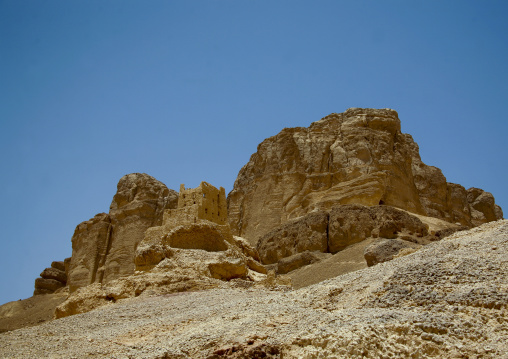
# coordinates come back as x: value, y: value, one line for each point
x: 103, y: 248
x: 288, y: 264
x: 333, y: 231
x: 386, y: 249
x: 356, y: 157
x: 53, y: 273
x: 51, y: 279
x: 44, y: 286
x: 350, y: 224
x: 209, y: 236
x: 308, y: 233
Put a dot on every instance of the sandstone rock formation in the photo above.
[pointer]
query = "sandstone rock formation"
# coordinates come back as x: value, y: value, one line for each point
x: 359, y: 156
x: 448, y: 300
x: 52, y: 279
x: 103, y: 247
x: 333, y: 231
x: 192, y: 249
x: 386, y: 249
x: 199, y: 222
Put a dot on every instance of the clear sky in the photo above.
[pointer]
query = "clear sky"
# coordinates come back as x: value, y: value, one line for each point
x: 186, y: 90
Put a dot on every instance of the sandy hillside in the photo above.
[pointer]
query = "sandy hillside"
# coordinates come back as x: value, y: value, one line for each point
x: 448, y: 300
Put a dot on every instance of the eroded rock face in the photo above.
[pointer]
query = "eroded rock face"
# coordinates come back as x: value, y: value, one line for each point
x: 359, y: 156
x: 353, y: 223
x: 448, y: 300
x: 333, y: 231
x: 103, y: 248
x: 308, y: 233
x: 51, y: 279
x: 386, y: 249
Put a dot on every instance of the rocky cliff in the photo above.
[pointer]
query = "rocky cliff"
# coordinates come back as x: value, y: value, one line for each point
x: 103, y: 248
x: 356, y: 157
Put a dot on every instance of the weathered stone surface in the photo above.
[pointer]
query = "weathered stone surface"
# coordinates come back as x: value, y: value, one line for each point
x: 386, y: 249
x: 53, y: 273
x: 48, y: 284
x: 203, y: 202
x: 350, y: 224
x: 39, y: 291
x: 483, y: 208
x: 60, y: 265
x: 104, y: 247
x: 190, y: 253
x: 332, y: 232
x: 288, y: 264
x: 246, y: 248
x: 206, y: 236
x: 138, y: 204
x: 29, y: 312
x: 308, y: 233
x: 448, y: 300
x: 356, y: 157
x: 228, y: 269
x: 353, y: 223
x: 197, y: 223
x: 89, y: 251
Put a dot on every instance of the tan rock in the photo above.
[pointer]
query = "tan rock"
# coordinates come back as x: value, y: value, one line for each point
x: 288, y: 264
x: 308, y: 233
x: 49, y: 285
x: 187, y: 251
x: 104, y: 247
x: 356, y: 157
x: 138, y: 205
x: 483, y: 208
x: 53, y: 273
x: 228, y: 269
x: 448, y: 300
x: 332, y: 232
x: 60, y: 265
x: 386, y: 249
x: 199, y: 222
x: 89, y: 251
x: 206, y: 236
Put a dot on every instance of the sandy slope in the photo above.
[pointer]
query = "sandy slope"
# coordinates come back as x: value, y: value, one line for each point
x: 449, y: 300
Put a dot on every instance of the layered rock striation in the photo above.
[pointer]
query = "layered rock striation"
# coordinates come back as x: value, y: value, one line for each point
x: 103, y: 248
x: 356, y: 157
x: 51, y: 279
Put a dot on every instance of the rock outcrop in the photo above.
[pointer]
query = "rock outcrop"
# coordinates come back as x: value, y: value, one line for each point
x: 334, y: 230
x: 356, y: 157
x: 103, y: 248
x: 192, y: 249
x: 448, y: 300
x: 386, y: 249
x: 51, y: 279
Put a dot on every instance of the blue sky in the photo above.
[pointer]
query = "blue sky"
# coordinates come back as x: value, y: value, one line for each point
x: 186, y: 90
